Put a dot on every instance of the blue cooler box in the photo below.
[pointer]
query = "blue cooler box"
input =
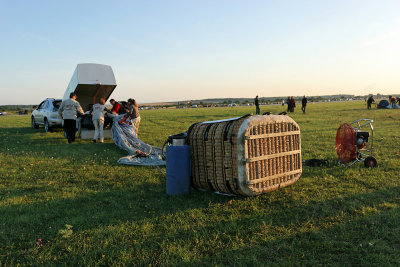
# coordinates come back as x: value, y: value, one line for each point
x: 179, y: 170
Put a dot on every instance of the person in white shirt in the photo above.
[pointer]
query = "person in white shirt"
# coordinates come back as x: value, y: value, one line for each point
x: 98, y: 120
x: 69, y: 109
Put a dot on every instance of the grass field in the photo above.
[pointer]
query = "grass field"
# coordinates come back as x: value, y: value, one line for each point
x: 72, y: 204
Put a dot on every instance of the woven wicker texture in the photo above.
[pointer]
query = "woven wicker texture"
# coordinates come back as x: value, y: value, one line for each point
x: 247, y: 156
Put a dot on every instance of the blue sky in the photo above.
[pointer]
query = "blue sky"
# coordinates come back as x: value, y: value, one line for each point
x: 181, y: 50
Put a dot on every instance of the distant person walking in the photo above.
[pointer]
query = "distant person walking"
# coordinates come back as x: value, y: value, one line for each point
x: 133, y: 112
x: 304, y: 104
x: 257, y: 105
x: 370, y: 101
x: 98, y: 120
x: 288, y: 104
x: 69, y: 109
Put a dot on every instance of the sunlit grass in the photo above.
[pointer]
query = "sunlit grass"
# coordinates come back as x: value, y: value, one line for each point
x: 88, y: 210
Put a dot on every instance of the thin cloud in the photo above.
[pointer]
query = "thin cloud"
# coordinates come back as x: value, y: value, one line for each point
x: 386, y: 37
x: 36, y: 38
x: 383, y: 38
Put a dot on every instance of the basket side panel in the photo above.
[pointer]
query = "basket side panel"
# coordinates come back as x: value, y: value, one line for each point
x: 274, y: 154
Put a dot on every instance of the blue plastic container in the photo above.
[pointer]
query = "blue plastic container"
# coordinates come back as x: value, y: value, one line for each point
x: 178, y: 170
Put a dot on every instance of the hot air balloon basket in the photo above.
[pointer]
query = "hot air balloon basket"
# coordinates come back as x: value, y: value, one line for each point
x: 246, y: 156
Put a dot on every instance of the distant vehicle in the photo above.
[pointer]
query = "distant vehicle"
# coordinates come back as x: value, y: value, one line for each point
x: 194, y: 106
x: 3, y: 113
x: 46, y: 114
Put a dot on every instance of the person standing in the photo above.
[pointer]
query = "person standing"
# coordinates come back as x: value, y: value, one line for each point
x: 369, y: 102
x: 288, y: 104
x: 257, y: 105
x: 304, y: 104
x: 98, y: 120
x: 292, y: 104
x: 68, y: 110
x: 133, y: 112
x: 393, y: 101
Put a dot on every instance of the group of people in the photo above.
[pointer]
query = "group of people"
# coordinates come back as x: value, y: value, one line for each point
x: 70, y: 109
x: 291, y: 103
x: 392, y: 101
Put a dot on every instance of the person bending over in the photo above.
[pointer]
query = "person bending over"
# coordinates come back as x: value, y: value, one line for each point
x: 98, y: 120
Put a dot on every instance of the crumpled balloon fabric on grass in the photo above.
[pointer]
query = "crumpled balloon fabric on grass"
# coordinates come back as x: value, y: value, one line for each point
x: 124, y: 135
x: 152, y: 160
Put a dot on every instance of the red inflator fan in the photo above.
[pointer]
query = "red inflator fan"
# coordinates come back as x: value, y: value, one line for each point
x: 354, y: 143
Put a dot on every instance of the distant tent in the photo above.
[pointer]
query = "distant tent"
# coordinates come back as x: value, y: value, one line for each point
x: 383, y: 104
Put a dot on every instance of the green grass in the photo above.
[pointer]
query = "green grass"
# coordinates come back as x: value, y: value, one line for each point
x: 88, y: 210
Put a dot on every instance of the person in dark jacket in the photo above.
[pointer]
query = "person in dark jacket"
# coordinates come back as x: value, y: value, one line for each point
x: 257, y: 105
x: 304, y: 104
x: 369, y: 102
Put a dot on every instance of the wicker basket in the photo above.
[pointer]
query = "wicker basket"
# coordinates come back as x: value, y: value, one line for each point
x: 246, y: 156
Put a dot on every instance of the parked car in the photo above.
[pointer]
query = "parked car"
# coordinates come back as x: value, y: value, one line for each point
x: 46, y: 114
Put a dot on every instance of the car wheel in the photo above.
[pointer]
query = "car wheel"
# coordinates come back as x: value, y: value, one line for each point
x: 370, y: 162
x: 47, y: 127
x: 33, y: 123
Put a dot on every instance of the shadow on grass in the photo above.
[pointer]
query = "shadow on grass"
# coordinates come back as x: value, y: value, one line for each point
x: 25, y: 141
x: 279, y: 231
x: 328, y: 232
x: 356, y: 242
x: 32, y: 136
x: 144, y: 201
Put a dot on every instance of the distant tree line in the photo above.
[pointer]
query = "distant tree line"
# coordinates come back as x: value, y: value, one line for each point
x: 16, y: 108
x: 227, y: 101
